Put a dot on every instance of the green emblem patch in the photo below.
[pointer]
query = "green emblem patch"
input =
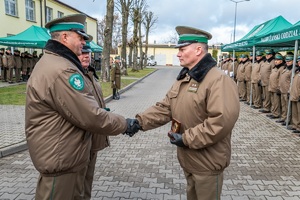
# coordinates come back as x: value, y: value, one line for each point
x: 76, y: 81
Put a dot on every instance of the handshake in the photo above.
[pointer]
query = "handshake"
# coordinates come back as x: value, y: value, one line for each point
x: 133, y: 127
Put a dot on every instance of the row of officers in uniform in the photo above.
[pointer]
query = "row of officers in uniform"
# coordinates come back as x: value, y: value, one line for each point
x: 270, y: 84
x: 18, y: 65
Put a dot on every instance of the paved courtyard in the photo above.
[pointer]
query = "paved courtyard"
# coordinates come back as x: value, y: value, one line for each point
x: 265, y: 161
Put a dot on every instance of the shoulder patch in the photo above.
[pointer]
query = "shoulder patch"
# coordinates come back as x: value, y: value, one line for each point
x: 76, y: 81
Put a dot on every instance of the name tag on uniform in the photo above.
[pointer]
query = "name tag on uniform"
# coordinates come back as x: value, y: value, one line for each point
x: 193, y: 87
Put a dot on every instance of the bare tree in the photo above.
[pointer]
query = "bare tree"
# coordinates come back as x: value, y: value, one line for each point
x: 124, y: 7
x: 117, y: 34
x: 148, y: 22
x: 107, y: 40
x: 138, y: 7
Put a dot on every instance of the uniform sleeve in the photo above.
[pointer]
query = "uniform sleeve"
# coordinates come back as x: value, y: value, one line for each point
x: 78, y: 106
x: 155, y: 116
x: 222, y: 109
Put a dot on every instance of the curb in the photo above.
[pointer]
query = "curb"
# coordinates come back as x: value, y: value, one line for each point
x: 21, y: 146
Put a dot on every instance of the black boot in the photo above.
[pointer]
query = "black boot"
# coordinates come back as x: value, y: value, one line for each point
x: 114, y: 93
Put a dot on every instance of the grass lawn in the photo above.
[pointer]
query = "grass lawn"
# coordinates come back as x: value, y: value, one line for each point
x: 15, y: 95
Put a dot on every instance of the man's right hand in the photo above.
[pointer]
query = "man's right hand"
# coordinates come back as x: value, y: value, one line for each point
x: 133, y: 127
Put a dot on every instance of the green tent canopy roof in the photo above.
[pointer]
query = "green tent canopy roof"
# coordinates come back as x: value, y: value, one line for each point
x: 33, y: 37
x: 246, y: 42
x: 95, y: 47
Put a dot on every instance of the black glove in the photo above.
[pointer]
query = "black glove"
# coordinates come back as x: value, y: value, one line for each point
x: 176, y: 138
x: 133, y: 127
x: 288, y: 95
x: 278, y: 93
x: 245, y: 82
x: 259, y: 83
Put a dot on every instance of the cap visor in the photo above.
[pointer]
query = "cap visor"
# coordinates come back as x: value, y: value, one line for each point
x: 82, y: 33
x: 182, y: 44
x: 86, y: 50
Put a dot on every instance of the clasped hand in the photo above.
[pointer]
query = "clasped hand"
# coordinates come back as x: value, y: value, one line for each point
x: 176, y: 138
x: 133, y: 127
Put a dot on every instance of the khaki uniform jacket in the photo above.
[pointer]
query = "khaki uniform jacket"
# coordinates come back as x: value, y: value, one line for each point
x: 24, y: 65
x: 8, y: 61
x: 265, y: 71
x: 207, y: 118
x: 295, y: 89
x: 274, y: 79
x: 99, y: 141
x: 18, y: 61
x: 115, y: 73
x: 255, y: 74
x: 240, y: 76
x: 248, y: 70
x: 61, y: 113
x: 1, y: 61
x: 285, y: 80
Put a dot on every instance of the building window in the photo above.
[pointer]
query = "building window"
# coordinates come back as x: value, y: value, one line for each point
x: 49, y: 14
x: 11, y: 7
x: 60, y: 14
x: 30, y: 10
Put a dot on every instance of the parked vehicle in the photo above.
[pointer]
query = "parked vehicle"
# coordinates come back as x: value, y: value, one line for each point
x: 151, y: 62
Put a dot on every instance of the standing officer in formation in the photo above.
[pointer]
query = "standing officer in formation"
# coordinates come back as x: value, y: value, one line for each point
x: 295, y: 100
x: 9, y: 64
x: 284, y: 87
x: 274, y: 87
x: 18, y: 65
x: 115, y: 79
x: 256, y: 80
x: 240, y: 76
x: 1, y: 65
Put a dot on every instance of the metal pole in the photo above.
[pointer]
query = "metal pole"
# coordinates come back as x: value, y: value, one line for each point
x: 234, y: 21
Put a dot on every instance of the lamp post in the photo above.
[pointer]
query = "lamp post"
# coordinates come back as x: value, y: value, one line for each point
x: 236, y: 2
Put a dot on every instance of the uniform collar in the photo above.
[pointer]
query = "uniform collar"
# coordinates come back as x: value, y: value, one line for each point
x: 200, y: 70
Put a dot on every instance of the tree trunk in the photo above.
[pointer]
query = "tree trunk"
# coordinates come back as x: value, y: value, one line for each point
x: 107, y: 40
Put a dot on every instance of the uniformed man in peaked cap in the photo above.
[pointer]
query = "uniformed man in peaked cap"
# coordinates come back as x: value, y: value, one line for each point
x: 62, y: 113
x: 197, y: 104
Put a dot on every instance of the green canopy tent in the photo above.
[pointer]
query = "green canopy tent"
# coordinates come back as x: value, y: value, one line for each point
x: 281, y: 39
x: 95, y: 48
x: 248, y: 41
x: 33, y: 37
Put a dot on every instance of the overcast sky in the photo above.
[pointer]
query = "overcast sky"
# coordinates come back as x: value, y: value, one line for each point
x: 214, y: 16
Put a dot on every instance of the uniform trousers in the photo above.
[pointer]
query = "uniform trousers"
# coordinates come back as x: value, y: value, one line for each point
x: 296, y: 115
x: 242, y: 90
x: 256, y: 94
x: 204, y: 187
x: 248, y: 90
x: 276, y: 105
x: 88, y: 181
x: 266, y: 98
x: 284, y: 106
x: 10, y: 74
x: 18, y: 74
x: 4, y: 71
x: 67, y: 186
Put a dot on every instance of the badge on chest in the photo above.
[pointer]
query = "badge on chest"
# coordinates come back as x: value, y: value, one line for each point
x: 193, y: 87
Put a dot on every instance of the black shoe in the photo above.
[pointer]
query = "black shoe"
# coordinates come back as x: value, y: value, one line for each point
x: 274, y: 117
x: 291, y: 128
x: 283, y: 123
x: 243, y: 100
x: 296, y: 131
x: 247, y: 103
x: 264, y: 111
x: 279, y: 121
x: 270, y: 115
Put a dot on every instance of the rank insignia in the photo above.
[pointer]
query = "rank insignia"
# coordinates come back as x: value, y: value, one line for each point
x: 193, y: 87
